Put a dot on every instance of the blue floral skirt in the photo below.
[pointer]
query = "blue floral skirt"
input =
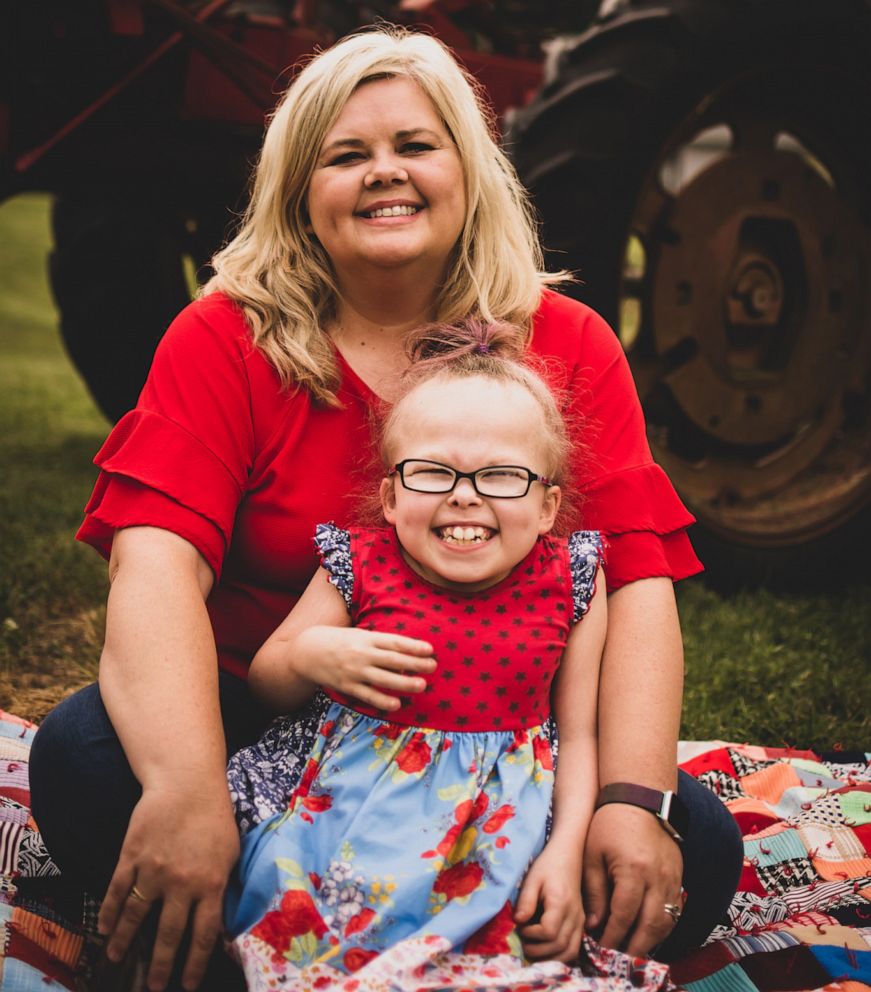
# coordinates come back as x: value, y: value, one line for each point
x: 395, y: 862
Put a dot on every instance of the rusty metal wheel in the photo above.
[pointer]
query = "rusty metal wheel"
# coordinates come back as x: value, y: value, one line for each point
x: 705, y: 167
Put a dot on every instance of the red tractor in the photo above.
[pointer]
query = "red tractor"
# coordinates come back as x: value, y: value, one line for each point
x: 704, y: 166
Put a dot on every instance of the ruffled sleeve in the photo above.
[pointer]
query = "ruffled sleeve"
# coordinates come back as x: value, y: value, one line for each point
x: 180, y: 460
x: 626, y: 495
x: 586, y: 554
x: 645, y: 523
x: 334, y: 548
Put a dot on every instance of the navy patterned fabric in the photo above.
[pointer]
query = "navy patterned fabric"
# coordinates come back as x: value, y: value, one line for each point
x: 262, y: 776
x: 334, y: 547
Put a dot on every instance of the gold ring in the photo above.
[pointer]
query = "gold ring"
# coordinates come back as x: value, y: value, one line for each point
x: 137, y: 894
x: 673, y: 910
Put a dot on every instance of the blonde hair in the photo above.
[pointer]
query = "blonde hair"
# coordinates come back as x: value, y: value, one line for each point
x: 282, y: 277
x: 489, y: 350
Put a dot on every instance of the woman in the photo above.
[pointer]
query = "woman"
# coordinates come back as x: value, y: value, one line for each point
x: 380, y: 201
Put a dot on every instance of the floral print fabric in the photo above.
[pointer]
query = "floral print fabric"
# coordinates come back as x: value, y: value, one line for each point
x: 388, y: 853
x: 396, y: 865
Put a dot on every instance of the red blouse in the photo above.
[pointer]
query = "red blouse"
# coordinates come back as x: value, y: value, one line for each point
x: 498, y: 650
x: 216, y: 452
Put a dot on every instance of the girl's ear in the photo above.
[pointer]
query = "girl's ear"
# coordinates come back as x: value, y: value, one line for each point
x: 549, y: 508
x: 387, y: 492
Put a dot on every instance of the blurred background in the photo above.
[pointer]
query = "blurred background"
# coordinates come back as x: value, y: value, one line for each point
x: 702, y: 166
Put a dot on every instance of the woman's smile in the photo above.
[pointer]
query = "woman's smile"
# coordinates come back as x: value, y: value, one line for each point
x: 390, y: 210
x: 388, y: 190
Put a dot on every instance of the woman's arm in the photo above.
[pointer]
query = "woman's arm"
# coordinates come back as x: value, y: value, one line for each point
x: 315, y: 645
x: 631, y: 866
x: 158, y: 679
x: 554, y: 880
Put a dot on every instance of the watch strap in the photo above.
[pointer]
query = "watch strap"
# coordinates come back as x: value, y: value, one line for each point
x: 665, y: 806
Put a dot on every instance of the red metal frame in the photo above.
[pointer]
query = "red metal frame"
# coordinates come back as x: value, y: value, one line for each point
x: 237, y: 69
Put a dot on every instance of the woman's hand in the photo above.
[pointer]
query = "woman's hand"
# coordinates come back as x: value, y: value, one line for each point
x: 632, y: 868
x: 549, y: 913
x: 159, y: 682
x: 364, y: 664
x: 186, y: 868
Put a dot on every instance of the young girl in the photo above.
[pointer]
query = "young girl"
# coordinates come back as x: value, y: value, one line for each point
x: 412, y: 852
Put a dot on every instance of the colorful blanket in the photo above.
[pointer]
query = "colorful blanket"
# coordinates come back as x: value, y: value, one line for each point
x: 801, y: 919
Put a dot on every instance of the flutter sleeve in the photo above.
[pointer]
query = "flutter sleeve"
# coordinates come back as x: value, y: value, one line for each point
x: 333, y: 545
x: 180, y: 460
x: 626, y: 495
x: 586, y: 554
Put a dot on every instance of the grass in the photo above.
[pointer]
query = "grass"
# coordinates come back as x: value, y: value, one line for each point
x: 761, y: 667
x: 772, y: 668
x: 51, y: 589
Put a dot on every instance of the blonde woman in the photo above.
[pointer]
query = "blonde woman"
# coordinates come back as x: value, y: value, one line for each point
x: 380, y: 202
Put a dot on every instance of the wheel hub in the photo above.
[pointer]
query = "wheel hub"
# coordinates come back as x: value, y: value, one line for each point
x: 752, y: 347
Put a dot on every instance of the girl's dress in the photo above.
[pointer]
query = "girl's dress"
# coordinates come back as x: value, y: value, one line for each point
x: 393, y: 861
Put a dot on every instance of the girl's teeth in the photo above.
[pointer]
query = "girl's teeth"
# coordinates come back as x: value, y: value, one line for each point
x: 401, y: 211
x: 465, y: 535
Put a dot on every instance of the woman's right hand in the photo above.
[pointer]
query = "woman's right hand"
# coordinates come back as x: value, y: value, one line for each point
x: 159, y: 683
x: 364, y: 664
x: 179, y: 850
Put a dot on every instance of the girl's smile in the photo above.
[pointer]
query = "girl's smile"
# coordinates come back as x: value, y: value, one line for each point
x: 464, y: 534
x: 460, y: 539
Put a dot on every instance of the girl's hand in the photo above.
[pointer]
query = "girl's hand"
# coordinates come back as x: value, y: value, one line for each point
x: 549, y: 912
x: 364, y: 663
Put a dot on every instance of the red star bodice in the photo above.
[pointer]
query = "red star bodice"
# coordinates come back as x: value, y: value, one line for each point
x: 497, y: 650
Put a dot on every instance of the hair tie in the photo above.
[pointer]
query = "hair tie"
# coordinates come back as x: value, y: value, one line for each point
x: 482, y: 348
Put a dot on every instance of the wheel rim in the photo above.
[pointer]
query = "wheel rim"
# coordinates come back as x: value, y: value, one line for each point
x: 744, y: 310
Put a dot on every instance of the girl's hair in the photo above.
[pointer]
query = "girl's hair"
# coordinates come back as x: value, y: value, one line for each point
x: 494, y: 351
x: 282, y: 277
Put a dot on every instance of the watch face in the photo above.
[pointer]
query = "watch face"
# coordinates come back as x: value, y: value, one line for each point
x: 673, y: 816
x: 669, y: 829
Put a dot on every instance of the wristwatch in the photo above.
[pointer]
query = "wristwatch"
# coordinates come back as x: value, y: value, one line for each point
x: 665, y: 806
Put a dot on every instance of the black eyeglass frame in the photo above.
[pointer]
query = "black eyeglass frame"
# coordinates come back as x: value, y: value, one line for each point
x: 399, y: 469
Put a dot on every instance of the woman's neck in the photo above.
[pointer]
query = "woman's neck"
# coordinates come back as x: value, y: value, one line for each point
x: 386, y: 300
x: 371, y: 333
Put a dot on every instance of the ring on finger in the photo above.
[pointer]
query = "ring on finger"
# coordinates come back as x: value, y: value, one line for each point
x: 673, y: 909
x: 136, y: 893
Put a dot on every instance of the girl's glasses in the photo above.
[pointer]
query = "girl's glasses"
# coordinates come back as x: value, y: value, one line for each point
x: 499, y: 481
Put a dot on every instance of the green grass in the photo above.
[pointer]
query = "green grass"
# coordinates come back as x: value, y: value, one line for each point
x: 51, y: 589
x: 761, y: 667
x: 770, y: 668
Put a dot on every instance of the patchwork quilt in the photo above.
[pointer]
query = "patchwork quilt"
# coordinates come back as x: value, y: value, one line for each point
x: 801, y: 919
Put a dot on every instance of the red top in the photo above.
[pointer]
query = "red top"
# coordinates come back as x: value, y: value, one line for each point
x: 216, y: 452
x: 498, y: 650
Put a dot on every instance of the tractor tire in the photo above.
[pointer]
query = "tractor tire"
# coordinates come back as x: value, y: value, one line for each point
x: 117, y: 278
x: 704, y: 168
x: 117, y: 275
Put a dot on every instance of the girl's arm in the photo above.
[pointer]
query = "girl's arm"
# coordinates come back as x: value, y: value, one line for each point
x: 316, y: 646
x: 553, y: 883
x: 631, y: 865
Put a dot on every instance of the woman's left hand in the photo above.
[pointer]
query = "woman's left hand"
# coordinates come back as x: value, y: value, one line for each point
x: 553, y: 887
x: 632, y: 868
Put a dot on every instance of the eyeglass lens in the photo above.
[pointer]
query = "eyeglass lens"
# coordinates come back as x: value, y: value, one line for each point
x: 496, y: 480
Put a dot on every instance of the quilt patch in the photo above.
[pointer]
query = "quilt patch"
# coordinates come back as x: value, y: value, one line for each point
x: 800, y: 921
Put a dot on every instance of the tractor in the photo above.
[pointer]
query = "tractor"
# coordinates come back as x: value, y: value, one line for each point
x: 703, y: 167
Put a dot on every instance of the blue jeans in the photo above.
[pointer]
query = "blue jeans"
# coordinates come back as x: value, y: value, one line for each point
x: 82, y: 789
x: 77, y: 764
